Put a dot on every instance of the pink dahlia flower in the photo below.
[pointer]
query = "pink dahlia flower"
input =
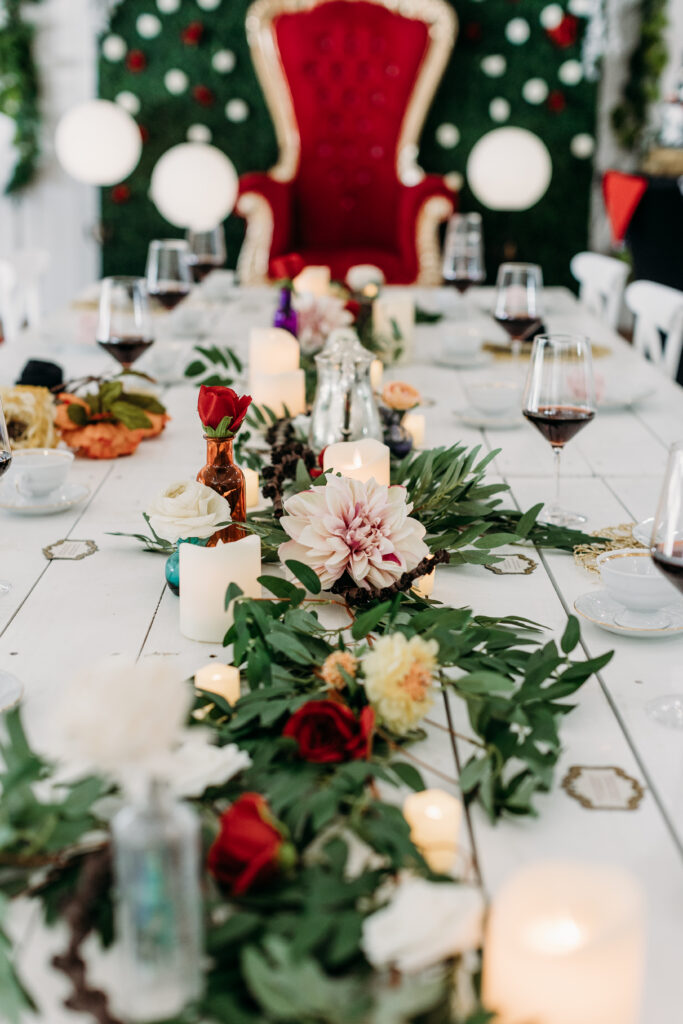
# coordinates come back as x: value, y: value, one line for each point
x: 349, y: 526
x: 317, y: 317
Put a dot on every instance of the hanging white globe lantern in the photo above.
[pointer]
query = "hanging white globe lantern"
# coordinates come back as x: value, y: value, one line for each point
x: 98, y: 142
x: 509, y: 169
x: 194, y: 185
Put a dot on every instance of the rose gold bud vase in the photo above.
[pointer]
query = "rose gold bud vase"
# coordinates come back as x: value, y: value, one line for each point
x: 223, y: 476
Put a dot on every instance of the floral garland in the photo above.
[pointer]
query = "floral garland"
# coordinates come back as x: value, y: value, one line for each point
x: 19, y: 91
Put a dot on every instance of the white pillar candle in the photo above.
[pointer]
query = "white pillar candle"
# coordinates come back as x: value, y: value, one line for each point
x: 424, y: 585
x: 277, y: 390
x: 313, y: 281
x: 414, y: 422
x: 205, y: 574
x: 221, y: 679
x: 251, y: 483
x: 434, y: 817
x: 359, y: 460
x: 564, y: 943
x: 273, y: 350
x: 376, y: 374
x: 399, y: 311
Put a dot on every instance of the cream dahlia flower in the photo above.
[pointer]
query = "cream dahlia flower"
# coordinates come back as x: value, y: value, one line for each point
x: 317, y: 317
x: 399, y: 677
x: 350, y: 526
x: 187, y: 509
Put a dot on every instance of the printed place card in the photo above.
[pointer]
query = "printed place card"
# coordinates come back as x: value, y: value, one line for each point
x: 71, y: 550
x: 603, y: 788
x: 513, y: 565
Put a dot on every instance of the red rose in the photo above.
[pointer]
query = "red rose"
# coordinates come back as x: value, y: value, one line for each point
x: 566, y: 33
x: 136, y: 61
x: 556, y: 101
x: 203, y: 95
x: 318, y: 470
x: 144, y: 133
x: 120, y: 194
x: 216, y: 405
x: 193, y: 33
x: 327, y: 732
x: 249, y: 847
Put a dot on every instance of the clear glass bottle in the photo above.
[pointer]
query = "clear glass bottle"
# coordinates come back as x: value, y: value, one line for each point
x: 158, y: 905
x: 344, y: 408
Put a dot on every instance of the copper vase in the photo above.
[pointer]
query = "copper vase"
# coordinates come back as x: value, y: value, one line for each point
x: 222, y: 475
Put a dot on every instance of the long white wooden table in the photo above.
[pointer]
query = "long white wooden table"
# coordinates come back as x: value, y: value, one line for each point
x: 62, y: 615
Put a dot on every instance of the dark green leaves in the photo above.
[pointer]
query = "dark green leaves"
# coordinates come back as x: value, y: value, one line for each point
x: 304, y: 574
x: 369, y: 620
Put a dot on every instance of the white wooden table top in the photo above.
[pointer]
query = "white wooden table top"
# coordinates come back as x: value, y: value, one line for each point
x: 61, y: 615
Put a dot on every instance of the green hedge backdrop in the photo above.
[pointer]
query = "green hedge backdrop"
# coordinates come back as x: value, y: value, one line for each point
x: 182, y: 68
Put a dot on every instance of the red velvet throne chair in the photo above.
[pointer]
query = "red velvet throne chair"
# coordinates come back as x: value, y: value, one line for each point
x: 348, y: 84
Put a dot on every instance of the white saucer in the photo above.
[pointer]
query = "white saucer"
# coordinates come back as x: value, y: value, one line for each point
x: 472, y: 418
x: 454, y: 362
x: 625, y: 398
x: 598, y: 607
x: 11, y: 691
x: 642, y: 532
x: 59, y: 500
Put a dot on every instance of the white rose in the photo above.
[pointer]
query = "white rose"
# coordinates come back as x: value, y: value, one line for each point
x: 187, y: 509
x: 425, y: 923
x: 196, y: 764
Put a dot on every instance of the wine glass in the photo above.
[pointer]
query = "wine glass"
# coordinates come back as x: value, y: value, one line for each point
x: 559, y: 399
x: 463, y: 251
x: 207, y: 251
x: 169, y: 278
x: 518, y: 301
x: 5, y: 463
x: 666, y: 548
x: 124, y: 327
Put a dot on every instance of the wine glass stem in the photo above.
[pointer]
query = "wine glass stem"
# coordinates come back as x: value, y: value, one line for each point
x: 557, y: 455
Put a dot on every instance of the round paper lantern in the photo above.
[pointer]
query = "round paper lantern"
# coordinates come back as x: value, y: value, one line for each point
x: 509, y: 169
x: 7, y: 152
x: 98, y: 142
x: 194, y: 186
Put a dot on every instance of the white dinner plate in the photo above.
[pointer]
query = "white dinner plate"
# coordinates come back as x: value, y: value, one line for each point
x: 454, y: 362
x: 473, y: 418
x: 598, y: 607
x: 59, y: 500
x: 625, y: 398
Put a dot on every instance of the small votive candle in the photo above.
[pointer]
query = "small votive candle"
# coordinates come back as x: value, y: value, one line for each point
x: 564, y: 943
x: 251, y: 484
x: 376, y: 374
x: 221, y: 679
x: 395, y: 311
x: 424, y: 585
x: 359, y: 460
x: 313, y: 281
x: 281, y: 392
x: 273, y: 350
x: 434, y: 817
x: 414, y: 422
x: 205, y: 575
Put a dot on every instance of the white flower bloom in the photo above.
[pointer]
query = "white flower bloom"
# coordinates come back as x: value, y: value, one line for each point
x: 425, y: 923
x: 196, y: 764
x: 187, y: 509
x: 360, y: 857
x: 317, y: 317
x: 399, y: 679
x: 350, y: 526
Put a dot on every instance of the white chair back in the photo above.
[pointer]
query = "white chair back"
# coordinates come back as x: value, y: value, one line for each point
x: 602, y: 280
x: 9, y: 318
x: 30, y: 266
x: 658, y: 312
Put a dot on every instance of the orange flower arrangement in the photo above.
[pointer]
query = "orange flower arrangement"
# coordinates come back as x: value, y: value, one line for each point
x: 110, y: 422
x: 400, y: 396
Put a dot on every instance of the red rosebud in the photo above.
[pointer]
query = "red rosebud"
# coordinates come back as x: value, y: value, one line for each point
x: 203, y: 95
x: 473, y: 31
x: 215, y: 403
x: 249, y: 847
x: 566, y: 33
x: 556, y: 101
x: 120, y: 194
x: 193, y: 33
x: 144, y: 133
x: 136, y: 61
x: 327, y: 732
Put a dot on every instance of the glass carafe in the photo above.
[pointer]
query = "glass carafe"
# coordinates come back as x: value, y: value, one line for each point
x: 344, y: 408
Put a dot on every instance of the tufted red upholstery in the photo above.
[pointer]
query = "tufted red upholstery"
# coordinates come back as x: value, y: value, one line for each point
x: 351, y: 68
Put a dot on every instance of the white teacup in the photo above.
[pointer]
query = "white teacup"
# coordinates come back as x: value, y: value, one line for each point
x: 633, y: 580
x: 463, y: 343
x: 495, y: 397
x: 39, y: 471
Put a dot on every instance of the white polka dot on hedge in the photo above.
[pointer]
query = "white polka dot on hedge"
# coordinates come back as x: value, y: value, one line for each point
x: 499, y: 109
x: 114, y: 48
x: 129, y: 101
x: 535, y: 90
x: 494, y: 65
x: 447, y: 135
x: 582, y: 146
x: 176, y: 81
x: 551, y: 16
x: 199, y: 133
x: 580, y: 8
x: 223, y: 61
x: 208, y: 5
x: 570, y: 73
x: 517, y: 31
x: 148, y: 26
x: 168, y: 6
x: 236, y: 111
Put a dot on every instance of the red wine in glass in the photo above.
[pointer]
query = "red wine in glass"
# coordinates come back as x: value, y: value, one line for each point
x: 201, y: 269
x: 670, y: 564
x: 126, y: 350
x: 169, y: 295
x: 559, y: 423
x: 5, y: 462
x: 463, y: 284
x: 517, y: 326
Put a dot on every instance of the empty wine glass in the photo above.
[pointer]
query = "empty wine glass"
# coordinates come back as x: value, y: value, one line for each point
x: 169, y: 278
x: 124, y: 326
x: 666, y: 548
x: 559, y: 399
x: 463, y: 251
x: 519, y: 288
x: 5, y: 463
x: 207, y: 251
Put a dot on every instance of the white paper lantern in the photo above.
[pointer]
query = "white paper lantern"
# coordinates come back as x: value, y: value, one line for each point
x: 517, y: 31
x: 194, y: 186
x: 582, y: 146
x: 8, y: 156
x: 535, y: 91
x: 114, y: 48
x: 148, y: 26
x: 551, y: 16
x: 570, y: 73
x: 494, y: 65
x: 176, y: 81
x: 499, y: 109
x: 199, y: 133
x: 168, y: 6
x: 236, y: 111
x: 447, y: 135
x: 129, y: 101
x: 223, y: 61
x: 98, y: 143
x: 509, y: 169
